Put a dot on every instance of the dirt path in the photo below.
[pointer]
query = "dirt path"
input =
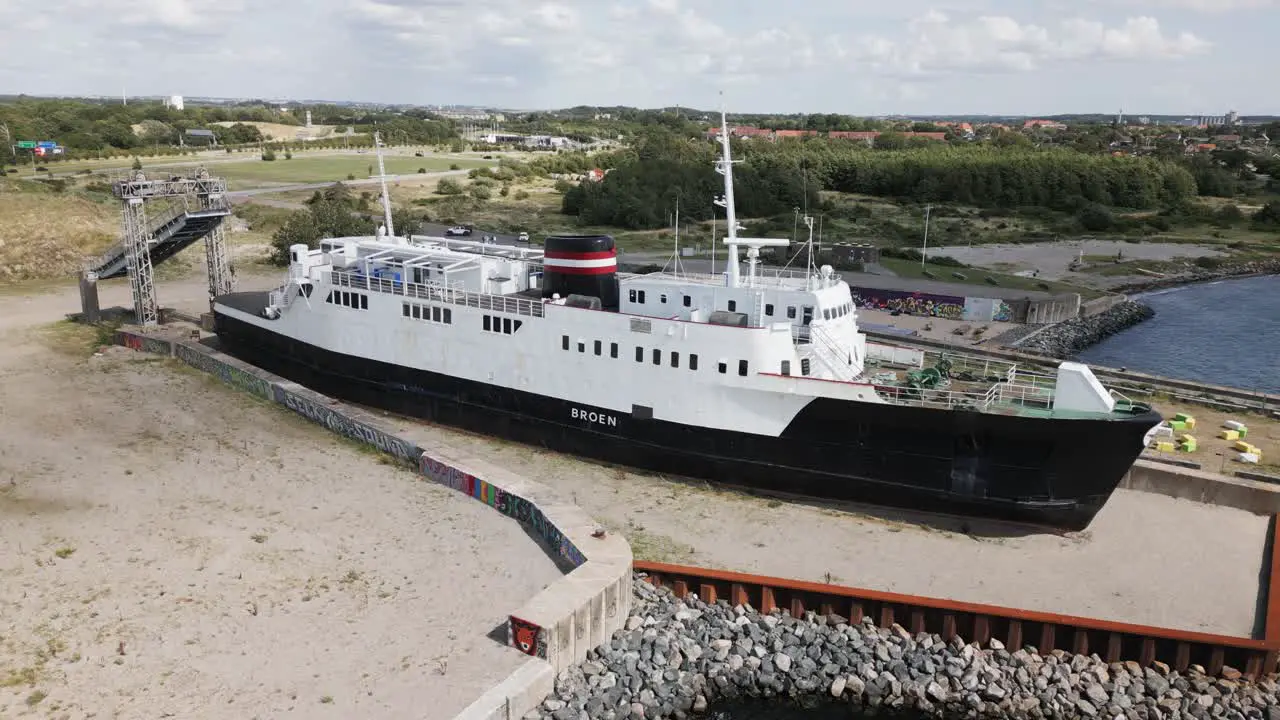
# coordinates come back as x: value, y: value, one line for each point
x: 176, y: 549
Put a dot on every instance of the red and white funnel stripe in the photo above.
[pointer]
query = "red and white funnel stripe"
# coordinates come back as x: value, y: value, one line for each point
x: 581, y: 263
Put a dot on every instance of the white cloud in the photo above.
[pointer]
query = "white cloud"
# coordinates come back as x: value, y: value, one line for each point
x: 1205, y: 6
x: 935, y: 44
x: 816, y: 55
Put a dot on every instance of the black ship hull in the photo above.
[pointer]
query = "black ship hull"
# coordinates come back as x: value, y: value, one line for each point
x: 1036, y: 470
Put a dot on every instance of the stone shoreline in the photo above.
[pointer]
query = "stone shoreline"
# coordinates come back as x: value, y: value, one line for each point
x: 676, y: 658
x: 1201, y: 275
x: 1070, y: 337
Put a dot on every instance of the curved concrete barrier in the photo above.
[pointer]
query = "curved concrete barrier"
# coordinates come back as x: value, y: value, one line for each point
x: 557, y: 626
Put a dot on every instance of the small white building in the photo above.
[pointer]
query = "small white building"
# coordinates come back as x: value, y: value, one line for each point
x: 175, y: 102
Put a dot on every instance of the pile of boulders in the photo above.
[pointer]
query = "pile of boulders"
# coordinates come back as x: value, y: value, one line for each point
x: 1070, y: 337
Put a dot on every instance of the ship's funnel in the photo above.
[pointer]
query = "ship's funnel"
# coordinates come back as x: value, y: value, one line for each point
x: 581, y: 265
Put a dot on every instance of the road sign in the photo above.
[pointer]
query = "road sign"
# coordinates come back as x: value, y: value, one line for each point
x: 46, y: 144
x: 26, y: 144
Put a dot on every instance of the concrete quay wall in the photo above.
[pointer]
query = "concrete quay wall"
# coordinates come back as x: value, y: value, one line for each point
x: 1255, y: 496
x: 556, y: 627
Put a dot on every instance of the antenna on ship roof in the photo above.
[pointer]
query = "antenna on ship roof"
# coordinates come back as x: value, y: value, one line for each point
x: 382, y: 178
x: 724, y: 166
x: 675, y: 258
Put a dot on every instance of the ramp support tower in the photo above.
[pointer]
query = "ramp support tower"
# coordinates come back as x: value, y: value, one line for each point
x: 197, y: 205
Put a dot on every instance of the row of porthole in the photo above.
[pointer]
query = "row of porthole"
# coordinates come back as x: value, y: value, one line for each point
x: 655, y: 355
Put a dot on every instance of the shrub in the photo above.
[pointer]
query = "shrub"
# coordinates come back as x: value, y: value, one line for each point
x: 269, y: 155
x: 422, y: 171
x: 481, y: 192
x: 448, y: 186
x: 1095, y: 218
x: 455, y: 166
x: 520, y: 194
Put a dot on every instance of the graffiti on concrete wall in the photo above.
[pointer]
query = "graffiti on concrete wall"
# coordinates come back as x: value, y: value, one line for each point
x: 910, y: 303
x: 1002, y: 312
x: 344, y: 425
x: 509, y: 504
x: 227, y: 373
x: 526, y: 637
x: 144, y: 343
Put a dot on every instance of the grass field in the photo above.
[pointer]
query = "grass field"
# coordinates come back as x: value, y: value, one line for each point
x: 44, y: 234
x: 256, y: 173
x: 977, y: 276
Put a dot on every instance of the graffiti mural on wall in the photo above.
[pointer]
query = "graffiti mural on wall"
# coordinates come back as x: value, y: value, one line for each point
x: 343, y: 425
x: 526, y: 637
x: 910, y: 303
x: 1002, y: 313
x: 509, y: 504
x: 144, y: 343
x: 229, y: 374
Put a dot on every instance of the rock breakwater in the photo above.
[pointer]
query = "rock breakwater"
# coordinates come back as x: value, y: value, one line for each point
x: 675, y: 658
x: 1070, y: 337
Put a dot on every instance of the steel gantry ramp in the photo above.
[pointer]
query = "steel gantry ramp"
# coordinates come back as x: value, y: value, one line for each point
x: 194, y: 208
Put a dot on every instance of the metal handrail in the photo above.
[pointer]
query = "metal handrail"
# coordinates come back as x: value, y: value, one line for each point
x: 438, y: 293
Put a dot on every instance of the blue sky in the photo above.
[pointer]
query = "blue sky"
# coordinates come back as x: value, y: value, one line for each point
x: 854, y: 56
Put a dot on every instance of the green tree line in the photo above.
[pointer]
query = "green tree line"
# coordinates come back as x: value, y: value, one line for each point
x: 774, y: 177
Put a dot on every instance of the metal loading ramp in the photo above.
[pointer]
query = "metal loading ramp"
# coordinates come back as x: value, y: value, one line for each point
x: 190, y: 208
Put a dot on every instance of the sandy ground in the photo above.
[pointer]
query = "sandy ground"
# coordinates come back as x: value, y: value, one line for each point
x: 1053, y: 259
x: 176, y: 549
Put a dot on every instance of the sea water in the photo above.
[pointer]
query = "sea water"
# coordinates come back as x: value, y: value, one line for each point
x: 1225, y: 332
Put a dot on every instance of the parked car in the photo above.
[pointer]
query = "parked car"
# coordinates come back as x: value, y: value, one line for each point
x: 418, y: 154
x: 458, y: 230
x: 524, y: 237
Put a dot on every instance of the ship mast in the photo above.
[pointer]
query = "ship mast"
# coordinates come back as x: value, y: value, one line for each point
x: 382, y: 177
x: 724, y: 166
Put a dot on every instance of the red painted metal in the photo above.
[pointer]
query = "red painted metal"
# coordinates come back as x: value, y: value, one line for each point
x: 1113, y: 641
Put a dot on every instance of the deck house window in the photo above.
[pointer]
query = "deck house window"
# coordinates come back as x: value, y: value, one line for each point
x: 733, y: 306
x: 826, y: 313
x: 448, y: 316
x: 657, y: 356
x: 435, y: 314
x: 631, y: 295
x: 641, y: 297
x: 506, y: 325
x: 786, y: 367
x: 675, y: 359
x: 599, y: 346
x: 768, y: 310
x: 791, y: 312
x: 364, y: 302
x: 688, y: 301
x: 724, y: 367
x: 639, y: 354
x: 804, y: 366
x: 417, y: 312
x: 613, y: 350
x: 404, y: 307
x: 693, y: 362
x: 564, y: 342
x: 582, y: 346
x: 663, y: 298
x: 742, y: 368
x: 488, y: 323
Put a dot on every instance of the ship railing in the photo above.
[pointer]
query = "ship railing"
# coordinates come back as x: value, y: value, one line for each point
x: 766, y: 277
x: 947, y: 398
x: 433, y: 292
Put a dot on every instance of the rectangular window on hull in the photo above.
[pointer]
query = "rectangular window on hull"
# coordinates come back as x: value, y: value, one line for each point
x: 742, y: 368
x: 404, y: 307
x: 488, y: 322
x: 675, y: 359
x: 733, y: 306
x: 613, y: 350
x: 639, y: 354
x: 564, y: 342
x: 688, y: 301
x: 657, y: 356
x: 693, y: 362
x: 582, y: 346
x: 768, y: 310
x: 364, y: 302
x: 506, y: 325
x: 791, y: 312
x: 724, y: 367
x: 804, y: 366
x: 786, y: 367
x: 599, y: 347
x: 641, y: 297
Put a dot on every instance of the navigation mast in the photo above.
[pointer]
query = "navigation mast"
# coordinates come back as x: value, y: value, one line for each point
x: 724, y: 166
x: 382, y: 178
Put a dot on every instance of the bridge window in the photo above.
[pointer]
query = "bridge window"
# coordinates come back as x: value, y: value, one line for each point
x: 693, y: 362
x: 786, y: 367
x: 613, y: 350
x: 742, y: 368
x: 599, y: 347
x: 675, y: 359
x: 564, y: 342
x: 768, y: 310
x: 791, y: 312
x: 639, y: 354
